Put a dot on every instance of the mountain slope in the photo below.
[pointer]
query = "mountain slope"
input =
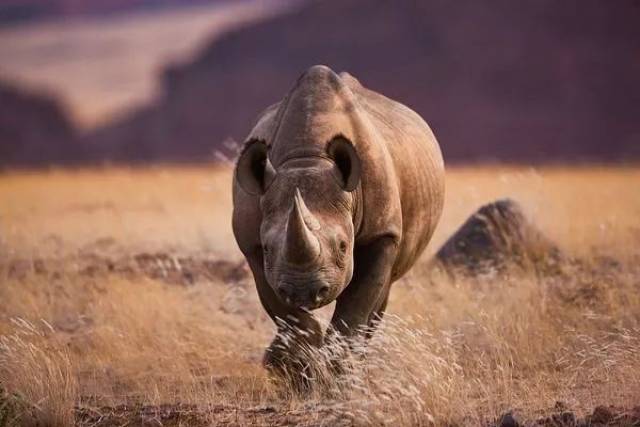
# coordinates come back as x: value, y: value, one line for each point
x: 34, y: 129
x: 533, y: 81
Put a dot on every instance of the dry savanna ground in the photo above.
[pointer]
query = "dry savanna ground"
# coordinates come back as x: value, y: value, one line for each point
x: 124, y: 301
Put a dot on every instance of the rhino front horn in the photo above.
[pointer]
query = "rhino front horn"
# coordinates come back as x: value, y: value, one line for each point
x: 302, y: 246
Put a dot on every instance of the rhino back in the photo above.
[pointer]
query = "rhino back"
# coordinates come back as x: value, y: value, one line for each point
x: 418, y: 169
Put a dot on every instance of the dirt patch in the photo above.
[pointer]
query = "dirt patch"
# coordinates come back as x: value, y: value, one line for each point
x: 160, y: 266
x: 561, y: 416
x: 227, y: 415
x: 186, y: 270
x: 219, y: 415
x: 161, y: 415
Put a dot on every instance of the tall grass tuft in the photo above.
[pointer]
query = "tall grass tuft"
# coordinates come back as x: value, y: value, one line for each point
x: 40, y: 388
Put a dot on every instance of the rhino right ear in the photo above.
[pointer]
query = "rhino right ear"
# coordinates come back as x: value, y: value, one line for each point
x: 254, y: 171
x: 344, y: 154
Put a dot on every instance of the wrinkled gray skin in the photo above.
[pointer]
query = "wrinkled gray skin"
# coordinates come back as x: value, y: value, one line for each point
x: 336, y: 193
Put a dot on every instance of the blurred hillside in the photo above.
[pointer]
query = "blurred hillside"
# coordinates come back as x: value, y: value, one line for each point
x: 530, y: 82
x: 104, y: 66
x: 540, y: 81
x: 49, y: 136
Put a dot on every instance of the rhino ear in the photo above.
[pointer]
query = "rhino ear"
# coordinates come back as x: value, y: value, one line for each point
x: 254, y: 171
x: 344, y: 154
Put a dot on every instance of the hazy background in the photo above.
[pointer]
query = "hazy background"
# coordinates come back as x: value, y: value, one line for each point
x: 128, y: 81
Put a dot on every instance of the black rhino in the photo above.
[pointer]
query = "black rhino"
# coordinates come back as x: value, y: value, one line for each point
x: 336, y: 193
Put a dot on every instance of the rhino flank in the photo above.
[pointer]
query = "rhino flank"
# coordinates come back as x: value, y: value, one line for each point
x: 336, y: 193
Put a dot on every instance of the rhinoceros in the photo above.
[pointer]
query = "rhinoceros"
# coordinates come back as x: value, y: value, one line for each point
x: 336, y: 193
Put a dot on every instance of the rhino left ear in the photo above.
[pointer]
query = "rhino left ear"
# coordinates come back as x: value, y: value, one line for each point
x: 344, y: 154
x: 254, y: 171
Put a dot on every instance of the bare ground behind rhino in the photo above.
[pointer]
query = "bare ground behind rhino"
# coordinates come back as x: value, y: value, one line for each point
x: 124, y: 301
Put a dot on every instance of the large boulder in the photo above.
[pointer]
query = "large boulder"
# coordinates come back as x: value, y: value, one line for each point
x: 497, y: 238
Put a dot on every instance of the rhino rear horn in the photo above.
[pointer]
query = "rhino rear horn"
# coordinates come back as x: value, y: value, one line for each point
x: 254, y: 171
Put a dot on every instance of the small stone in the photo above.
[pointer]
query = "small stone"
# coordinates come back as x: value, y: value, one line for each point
x: 509, y: 419
x: 601, y: 415
x: 564, y: 419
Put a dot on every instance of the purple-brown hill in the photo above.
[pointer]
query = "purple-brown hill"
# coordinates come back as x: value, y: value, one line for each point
x: 531, y: 81
x: 35, y: 129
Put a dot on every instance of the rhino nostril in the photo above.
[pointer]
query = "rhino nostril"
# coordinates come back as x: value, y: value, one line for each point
x: 322, y: 293
x: 285, y: 293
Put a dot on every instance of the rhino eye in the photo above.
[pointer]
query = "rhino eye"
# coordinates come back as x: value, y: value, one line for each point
x: 343, y: 246
x: 265, y: 249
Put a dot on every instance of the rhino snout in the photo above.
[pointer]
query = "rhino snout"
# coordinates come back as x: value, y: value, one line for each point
x: 306, y: 296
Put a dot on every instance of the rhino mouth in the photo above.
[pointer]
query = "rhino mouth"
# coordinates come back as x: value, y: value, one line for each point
x: 308, y: 295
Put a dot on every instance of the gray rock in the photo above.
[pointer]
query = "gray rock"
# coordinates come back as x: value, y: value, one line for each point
x: 496, y: 237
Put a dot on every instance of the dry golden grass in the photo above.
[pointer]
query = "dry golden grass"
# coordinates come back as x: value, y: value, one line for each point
x: 76, y: 344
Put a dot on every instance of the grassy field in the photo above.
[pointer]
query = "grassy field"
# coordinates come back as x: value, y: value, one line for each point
x: 125, y: 300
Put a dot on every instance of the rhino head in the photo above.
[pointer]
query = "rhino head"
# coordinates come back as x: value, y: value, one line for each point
x: 307, y: 229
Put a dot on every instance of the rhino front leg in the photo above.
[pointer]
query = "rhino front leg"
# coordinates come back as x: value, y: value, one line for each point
x: 365, y: 298
x: 296, y: 328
